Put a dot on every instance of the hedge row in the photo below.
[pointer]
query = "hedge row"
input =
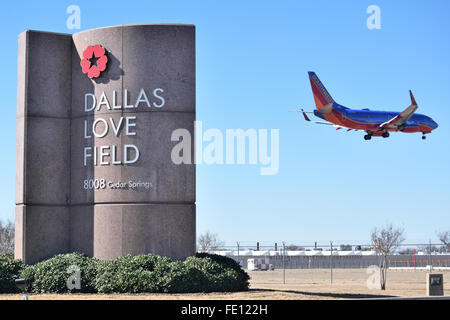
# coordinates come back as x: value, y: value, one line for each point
x: 10, y: 270
x: 128, y: 274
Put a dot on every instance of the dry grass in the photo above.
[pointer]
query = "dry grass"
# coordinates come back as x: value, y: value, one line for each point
x: 300, y: 284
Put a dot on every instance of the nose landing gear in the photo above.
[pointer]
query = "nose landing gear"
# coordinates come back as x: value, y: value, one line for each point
x: 424, y: 136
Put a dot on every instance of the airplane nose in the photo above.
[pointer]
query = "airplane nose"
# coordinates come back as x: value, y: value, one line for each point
x: 435, y: 125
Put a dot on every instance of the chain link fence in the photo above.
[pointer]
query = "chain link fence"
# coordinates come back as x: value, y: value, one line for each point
x: 348, y: 267
x: 342, y: 256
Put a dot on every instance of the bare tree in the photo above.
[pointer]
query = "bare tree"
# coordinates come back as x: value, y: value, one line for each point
x: 208, y: 242
x: 444, y: 237
x: 6, y: 237
x: 384, y: 241
x: 427, y: 249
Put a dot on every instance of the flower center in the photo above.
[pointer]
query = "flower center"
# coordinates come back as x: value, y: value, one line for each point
x: 93, y: 60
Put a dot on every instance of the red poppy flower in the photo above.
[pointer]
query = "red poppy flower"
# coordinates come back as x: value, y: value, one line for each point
x: 94, y: 61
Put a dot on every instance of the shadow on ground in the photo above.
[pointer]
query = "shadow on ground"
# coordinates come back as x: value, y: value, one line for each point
x: 326, y: 294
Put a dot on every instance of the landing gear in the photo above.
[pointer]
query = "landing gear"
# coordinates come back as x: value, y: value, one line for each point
x: 385, y: 134
x: 367, y: 137
x: 424, y: 137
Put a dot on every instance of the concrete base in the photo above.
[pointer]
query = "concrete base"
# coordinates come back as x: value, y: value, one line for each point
x: 107, y: 231
x: 41, y: 232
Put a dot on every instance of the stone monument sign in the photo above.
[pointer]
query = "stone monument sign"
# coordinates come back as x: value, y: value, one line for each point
x: 95, y: 114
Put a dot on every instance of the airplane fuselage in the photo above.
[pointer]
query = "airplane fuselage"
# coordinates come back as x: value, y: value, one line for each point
x: 374, y: 123
x: 370, y: 120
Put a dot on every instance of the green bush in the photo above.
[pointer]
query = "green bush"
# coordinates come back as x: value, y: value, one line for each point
x: 135, y: 274
x: 179, y: 277
x: 130, y: 274
x: 206, y: 273
x: 10, y: 270
x: 51, y: 276
x: 150, y: 273
x: 233, y: 279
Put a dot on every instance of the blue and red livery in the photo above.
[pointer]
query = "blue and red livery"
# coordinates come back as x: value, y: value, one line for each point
x: 374, y: 123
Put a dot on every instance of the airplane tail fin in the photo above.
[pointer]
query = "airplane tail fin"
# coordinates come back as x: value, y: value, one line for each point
x: 321, y: 96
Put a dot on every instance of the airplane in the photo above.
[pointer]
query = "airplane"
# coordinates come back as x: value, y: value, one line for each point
x: 374, y: 123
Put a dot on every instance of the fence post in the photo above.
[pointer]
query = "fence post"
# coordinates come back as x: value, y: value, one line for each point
x: 331, y: 261
x: 431, y: 257
x: 414, y: 259
x: 284, y: 263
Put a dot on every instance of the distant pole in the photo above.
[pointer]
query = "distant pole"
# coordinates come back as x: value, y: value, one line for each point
x: 257, y: 246
x: 331, y: 261
x: 238, y: 247
x: 284, y: 263
x: 276, y: 247
x: 431, y: 257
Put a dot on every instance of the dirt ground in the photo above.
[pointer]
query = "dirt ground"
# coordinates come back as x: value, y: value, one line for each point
x: 300, y: 284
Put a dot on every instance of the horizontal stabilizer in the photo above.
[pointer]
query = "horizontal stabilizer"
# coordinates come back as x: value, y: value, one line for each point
x: 305, y: 116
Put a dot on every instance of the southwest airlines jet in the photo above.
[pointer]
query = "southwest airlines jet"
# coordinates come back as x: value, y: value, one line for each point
x: 374, y: 123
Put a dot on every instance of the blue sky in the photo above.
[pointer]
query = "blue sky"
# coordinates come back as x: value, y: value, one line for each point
x: 252, y: 63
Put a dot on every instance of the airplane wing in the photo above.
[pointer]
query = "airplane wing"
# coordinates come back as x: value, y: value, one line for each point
x: 328, y: 123
x: 403, y: 116
x: 338, y: 127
